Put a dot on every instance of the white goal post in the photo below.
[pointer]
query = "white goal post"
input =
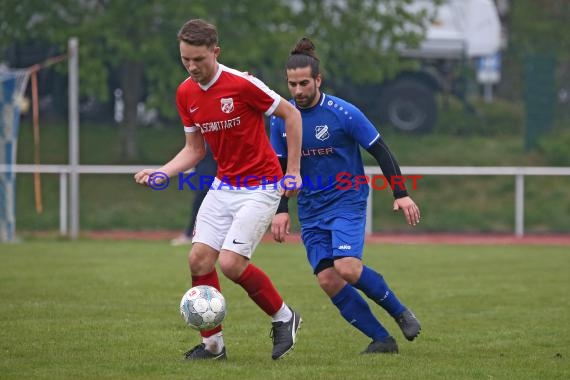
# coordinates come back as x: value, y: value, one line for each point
x: 13, y: 83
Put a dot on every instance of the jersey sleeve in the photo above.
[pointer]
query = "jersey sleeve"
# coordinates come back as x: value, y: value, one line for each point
x: 259, y: 96
x: 360, y: 128
x: 181, y: 105
x: 277, y: 136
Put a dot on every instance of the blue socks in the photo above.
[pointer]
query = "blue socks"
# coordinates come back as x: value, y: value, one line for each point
x: 375, y: 288
x: 356, y: 311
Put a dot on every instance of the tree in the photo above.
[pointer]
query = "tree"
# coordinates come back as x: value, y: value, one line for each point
x: 134, y: 40
x: 540, y: 27
x: 536, y: 28
x: 359, y: 39
x: 138, y: 41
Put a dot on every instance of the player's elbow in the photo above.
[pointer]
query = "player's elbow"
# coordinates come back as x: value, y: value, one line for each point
x: 201, y: 153
x: 198, y: 152
x: 289, y: 112
x: 293, y: 119
x: 295, y: 113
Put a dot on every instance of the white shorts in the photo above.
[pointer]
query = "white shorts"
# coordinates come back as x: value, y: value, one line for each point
x: 235, y: 220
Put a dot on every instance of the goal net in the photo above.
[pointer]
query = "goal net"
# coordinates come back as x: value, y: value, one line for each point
x: 12, y: 87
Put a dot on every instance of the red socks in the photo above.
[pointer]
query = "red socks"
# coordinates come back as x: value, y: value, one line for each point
x: 260, y: 289
x: 257, y: 285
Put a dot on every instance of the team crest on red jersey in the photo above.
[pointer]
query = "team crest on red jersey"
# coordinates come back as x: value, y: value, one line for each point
x: 227, y: 105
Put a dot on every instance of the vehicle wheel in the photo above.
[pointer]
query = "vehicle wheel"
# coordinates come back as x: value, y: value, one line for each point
x: 409, y: 106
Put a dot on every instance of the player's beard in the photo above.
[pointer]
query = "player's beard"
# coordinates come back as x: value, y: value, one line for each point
x: 306, y: 101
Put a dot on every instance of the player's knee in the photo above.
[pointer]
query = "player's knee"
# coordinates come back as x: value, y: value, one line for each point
x: 201, y: 262
x: 232, y: 265
x: 226, y: 266
x: 349, y: 270
x: 330, y: 281
x: 198, y: 265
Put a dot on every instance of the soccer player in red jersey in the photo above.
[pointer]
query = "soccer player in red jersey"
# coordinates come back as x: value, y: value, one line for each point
x: 226, y: 107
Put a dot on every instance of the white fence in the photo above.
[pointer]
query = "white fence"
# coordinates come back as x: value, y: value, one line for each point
x: 72, y: 213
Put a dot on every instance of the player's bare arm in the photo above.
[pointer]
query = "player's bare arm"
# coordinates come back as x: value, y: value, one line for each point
x: 281, y: 223
x: 293, y: 128
x: 193, y: 152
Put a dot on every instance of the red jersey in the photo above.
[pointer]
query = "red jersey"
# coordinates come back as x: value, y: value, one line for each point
x: 229, y: 111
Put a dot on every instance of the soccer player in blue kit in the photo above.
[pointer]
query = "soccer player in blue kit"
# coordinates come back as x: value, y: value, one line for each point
x: 332, y: 202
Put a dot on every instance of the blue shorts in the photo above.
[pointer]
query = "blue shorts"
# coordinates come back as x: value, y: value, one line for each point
x: 334, y: 237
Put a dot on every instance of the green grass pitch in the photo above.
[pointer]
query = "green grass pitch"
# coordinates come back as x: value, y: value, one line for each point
x: 109, y: 310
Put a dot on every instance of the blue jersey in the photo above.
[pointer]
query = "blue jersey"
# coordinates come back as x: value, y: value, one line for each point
x: 333, y: 131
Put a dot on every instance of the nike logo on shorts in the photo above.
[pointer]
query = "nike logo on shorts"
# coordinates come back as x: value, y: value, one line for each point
x: 237, y: 242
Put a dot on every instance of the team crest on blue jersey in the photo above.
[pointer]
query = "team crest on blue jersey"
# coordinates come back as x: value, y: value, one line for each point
x: 227, y: 105
x: 322, y: 132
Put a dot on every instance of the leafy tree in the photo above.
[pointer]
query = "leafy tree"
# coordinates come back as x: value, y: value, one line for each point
x: 134, y: 40
x: 534, y: 27
x: 356, y: 39
x: 540, y: 26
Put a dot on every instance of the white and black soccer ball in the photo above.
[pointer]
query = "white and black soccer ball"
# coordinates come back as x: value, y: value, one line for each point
x: 203, y: 307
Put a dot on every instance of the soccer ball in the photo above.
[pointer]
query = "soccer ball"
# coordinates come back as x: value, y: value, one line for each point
x: 203, y: 307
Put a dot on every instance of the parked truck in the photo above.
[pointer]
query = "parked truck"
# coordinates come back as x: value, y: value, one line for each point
x: 461, y: 32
